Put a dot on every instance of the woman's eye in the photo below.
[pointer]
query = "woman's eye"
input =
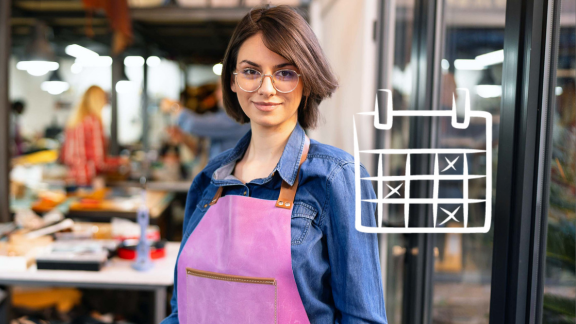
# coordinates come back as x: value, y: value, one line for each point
x: 286, y: 75
x: 250, y: 72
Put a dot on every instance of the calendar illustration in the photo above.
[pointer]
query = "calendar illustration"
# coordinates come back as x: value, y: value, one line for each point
x: 461, y: 192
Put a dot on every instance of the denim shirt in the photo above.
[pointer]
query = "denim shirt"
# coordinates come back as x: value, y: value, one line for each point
x: 336, y: 268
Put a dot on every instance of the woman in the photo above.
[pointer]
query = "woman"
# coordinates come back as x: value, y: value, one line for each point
x: 269, y: 232
x: 84, y: 149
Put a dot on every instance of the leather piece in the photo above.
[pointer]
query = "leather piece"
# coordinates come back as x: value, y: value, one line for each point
x: 242, y: 236
x: 217, y: 195
x: 287, y: 192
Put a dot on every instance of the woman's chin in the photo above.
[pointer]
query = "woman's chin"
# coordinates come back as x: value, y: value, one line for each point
x: 266, y: 121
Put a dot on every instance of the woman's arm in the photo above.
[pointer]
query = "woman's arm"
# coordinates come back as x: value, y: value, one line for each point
x: 96, y: 146
x: 356, y: 278
x: 216, y: 125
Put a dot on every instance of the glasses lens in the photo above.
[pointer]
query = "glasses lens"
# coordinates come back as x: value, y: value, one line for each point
x: 286, y: 80
x: 249, y: 79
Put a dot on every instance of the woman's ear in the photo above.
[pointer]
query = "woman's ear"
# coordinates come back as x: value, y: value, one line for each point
x: 232, y: 83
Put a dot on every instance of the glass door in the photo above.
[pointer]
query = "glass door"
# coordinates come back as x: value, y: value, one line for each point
x: 559, y: 299
x: 494, y: 54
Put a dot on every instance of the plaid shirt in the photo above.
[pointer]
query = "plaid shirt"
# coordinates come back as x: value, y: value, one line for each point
x: 84, y: 151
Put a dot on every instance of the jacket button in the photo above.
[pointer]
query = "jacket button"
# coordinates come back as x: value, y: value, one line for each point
x: 205, y: 205
x: 244, y: 193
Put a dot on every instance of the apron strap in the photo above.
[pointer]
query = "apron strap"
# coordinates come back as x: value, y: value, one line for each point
x: 217, y: 195
x: 287, y: 192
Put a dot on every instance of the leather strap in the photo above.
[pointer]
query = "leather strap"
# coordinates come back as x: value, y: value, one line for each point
x: 287, y: 192
x: 217, y: 195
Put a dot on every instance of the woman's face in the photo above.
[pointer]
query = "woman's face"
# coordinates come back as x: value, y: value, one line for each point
x: 266, y: 106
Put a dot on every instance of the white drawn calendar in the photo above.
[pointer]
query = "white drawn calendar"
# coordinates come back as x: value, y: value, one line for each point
x: 449, y: 165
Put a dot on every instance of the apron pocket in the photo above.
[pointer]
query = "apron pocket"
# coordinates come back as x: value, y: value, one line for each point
x: 220, y: 298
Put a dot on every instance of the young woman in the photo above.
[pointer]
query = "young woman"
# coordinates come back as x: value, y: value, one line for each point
x: 269, y: 232
x: 84, y: 150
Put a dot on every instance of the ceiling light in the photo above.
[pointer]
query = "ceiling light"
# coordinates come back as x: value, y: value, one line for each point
x: 39, y: 57
x: 217, y: 68
x: 134, y: 61
x: 124, y: 84
x: 445, y: 64
x: 76, y: 68
x: 55, y: 85
x: 468, y: 65
x: 100, y: 61
x: 37, y: 68
x: 79, y: 51
x: 153, y: 61
x: 491, y: 58
x: 489, y: 91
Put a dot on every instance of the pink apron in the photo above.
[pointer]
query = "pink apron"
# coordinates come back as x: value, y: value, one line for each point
x: 236, y: 267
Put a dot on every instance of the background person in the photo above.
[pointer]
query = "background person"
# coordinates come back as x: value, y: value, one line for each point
x: 18, y: 108
x: 222, y: 130
x: 84, y: 151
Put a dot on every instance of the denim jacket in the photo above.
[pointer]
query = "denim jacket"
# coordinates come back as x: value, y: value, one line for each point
x: 336, y: 268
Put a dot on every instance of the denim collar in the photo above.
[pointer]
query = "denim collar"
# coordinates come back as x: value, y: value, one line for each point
x: 287, y: 167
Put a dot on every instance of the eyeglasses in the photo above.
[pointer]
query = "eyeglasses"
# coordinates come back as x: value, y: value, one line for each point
x: 283, y: 81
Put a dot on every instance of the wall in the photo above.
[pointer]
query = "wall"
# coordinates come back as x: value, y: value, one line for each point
x: 344, y: 29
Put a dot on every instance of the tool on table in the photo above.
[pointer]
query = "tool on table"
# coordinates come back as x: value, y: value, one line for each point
x: 143, y: 262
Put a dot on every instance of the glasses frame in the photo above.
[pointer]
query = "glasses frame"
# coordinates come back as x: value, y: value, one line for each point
x: 262, y: 76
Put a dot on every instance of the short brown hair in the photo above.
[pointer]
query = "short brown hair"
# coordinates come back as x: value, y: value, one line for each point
x: 285, y: 32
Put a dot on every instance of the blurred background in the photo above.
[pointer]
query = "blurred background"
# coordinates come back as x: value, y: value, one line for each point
x: 103, y: 93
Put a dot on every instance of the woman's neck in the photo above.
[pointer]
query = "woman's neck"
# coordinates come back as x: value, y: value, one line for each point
x: 267, y: 143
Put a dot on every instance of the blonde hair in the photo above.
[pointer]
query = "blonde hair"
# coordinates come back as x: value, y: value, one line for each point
x: 92, y: 102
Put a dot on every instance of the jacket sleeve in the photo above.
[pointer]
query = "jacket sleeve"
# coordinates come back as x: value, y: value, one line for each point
x: 191, y: 202
x: 356, y: 278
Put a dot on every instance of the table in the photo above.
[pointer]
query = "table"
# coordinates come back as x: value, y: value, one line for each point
x: 156, y: 201
x: 117, y: 274
x: 181, y: 186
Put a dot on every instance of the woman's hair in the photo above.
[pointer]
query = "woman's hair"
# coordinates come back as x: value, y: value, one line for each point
x: 92, y: 102
x: 285, y: 32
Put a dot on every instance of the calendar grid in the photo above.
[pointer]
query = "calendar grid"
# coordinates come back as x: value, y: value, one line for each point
x: 440, y: 215
x: 435, y: 200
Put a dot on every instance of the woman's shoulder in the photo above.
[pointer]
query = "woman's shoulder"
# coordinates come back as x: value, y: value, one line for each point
x: 328, y: 155
x: 326, y: 163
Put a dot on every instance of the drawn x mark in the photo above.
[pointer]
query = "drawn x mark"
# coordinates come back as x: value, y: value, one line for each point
x: 450, y: 164
x: 394, y: 190
x: 450, y: 215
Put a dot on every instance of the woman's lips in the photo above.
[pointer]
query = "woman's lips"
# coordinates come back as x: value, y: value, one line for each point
x: 266, y: 106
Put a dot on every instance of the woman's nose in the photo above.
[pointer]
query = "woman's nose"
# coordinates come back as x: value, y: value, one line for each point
x: 267, y: 88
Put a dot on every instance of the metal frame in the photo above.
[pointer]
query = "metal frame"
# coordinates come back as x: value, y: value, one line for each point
x: 117, y: 70
x: 543, y: 193
x: 420, y: 247
x: 517, y: 254
x: 5, y: 111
